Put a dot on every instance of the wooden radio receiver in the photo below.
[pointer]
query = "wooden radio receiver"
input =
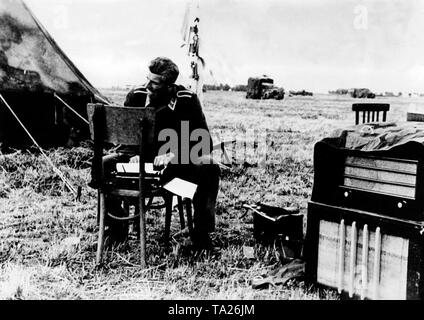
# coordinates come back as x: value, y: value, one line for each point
x: 365, y: 223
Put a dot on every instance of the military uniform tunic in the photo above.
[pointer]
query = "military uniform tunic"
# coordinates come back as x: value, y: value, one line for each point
x: 182, y: 108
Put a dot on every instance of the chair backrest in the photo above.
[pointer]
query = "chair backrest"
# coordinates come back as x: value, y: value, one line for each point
x: 370, y: 111
x: 121, y: 125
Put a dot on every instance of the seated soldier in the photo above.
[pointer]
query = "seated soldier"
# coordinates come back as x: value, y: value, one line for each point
x: 178, y: 115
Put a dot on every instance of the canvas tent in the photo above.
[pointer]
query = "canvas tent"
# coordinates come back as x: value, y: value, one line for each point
x: 43, y: 87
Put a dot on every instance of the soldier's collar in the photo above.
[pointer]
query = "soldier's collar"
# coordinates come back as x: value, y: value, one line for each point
x: 172, y: 103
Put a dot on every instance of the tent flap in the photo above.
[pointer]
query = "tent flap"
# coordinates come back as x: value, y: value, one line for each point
x: 32, y: 67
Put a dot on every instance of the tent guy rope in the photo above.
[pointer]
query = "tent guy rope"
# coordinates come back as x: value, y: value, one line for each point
x: 100, y: 98
x: 70, y: 108
x: 56, y: 170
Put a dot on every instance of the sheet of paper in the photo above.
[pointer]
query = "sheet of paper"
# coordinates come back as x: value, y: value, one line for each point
x: 181, y: 188
x: 134, y: 168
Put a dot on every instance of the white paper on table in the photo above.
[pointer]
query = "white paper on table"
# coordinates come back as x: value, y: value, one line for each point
x: 134, y: 168
x: 182, y: 188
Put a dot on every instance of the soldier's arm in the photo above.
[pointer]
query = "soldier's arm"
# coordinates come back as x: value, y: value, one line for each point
x: 136, y: 98
x: 197, y: 120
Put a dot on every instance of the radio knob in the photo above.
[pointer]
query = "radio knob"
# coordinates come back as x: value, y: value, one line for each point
x: 401, y: 204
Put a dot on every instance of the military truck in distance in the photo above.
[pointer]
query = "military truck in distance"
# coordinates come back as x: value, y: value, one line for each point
x: 361, y: 93
x: 263, y: 88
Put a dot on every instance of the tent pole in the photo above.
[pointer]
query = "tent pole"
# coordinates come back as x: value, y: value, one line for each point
x: 57, y: 171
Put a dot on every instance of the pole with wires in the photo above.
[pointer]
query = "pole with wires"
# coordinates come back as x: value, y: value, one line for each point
x: 56, y: 170
x: 191, y: 37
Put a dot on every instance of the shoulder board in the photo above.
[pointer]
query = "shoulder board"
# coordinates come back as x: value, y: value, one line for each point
x: 140, y: 90
x: 185, y: 94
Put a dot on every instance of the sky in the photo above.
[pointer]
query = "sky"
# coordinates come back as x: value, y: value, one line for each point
x: 316, y: 45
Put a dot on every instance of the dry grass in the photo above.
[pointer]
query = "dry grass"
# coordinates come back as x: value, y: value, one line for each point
x: 48, y: 240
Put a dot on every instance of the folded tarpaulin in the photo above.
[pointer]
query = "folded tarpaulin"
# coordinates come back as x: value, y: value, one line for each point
x: 377, y: 136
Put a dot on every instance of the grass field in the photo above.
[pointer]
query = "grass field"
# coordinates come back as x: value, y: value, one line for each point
x: 48, y: 240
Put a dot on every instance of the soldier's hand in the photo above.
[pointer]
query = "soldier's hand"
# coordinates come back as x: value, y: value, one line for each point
x: 135, y: 159
x: 163, y: 160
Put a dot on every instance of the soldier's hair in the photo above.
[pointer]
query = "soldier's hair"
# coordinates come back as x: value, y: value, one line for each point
x: 164, y: 67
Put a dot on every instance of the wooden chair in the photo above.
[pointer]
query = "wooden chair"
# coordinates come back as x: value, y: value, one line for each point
x: 130, y: 127
x: 370, y: 112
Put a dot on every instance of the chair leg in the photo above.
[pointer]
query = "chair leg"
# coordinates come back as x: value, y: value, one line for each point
x: 101, y: 237
x: 181, y: 212
x: 142, y: 232
x: 137, y: 221
x: 98, y: 207
x: 126, y: 207
x: 168, y: 215
x: 188, y: 204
